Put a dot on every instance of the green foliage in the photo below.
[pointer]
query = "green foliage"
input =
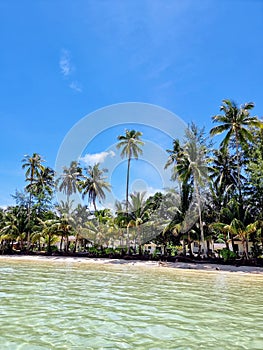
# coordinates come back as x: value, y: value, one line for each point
x: 173, y: 250
x: 226, y: 205
x: 227, y: 254
x: 94, y: 251
x: 256, y: 250
x: 52, y: 249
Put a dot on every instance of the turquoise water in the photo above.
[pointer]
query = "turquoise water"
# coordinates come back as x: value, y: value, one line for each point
x: 47, y: 305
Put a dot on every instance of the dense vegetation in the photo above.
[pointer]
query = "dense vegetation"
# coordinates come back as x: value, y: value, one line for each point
x: 217, y: 195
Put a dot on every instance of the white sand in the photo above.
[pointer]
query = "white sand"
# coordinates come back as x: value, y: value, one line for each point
x: 177, y: 265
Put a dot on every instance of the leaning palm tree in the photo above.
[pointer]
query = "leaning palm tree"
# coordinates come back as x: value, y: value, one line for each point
x: 130, y: 148
x: 235, y: 121
x: 94, y: 184
x: 68, y: 181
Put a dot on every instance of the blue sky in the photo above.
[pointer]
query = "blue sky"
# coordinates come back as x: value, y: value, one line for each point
x: 61, y: 60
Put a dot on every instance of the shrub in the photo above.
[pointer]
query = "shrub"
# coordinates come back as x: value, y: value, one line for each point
x: 227, y: 254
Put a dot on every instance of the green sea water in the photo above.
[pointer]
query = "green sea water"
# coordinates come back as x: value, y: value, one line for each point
x: 66, y: 305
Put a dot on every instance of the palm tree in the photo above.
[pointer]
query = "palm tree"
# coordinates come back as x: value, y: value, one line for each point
x: 49, y: 228
x: 139, y: 213
x: 195, y: 152
x: 34, y: 167
x: 235, y: 121
x: 13, y: 227
x: 181, y: 172
x: 78, y: 219
x: 44, y: 188
x: 242, y: 231
x: 223, y: 171
x: 94, y: 184
x: 130, y: 144
x: 68, y: 181
x: 65, y: 213
x: 190, y: 165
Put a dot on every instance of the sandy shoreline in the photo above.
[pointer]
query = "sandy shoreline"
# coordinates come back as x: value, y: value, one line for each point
x: 138, y: 263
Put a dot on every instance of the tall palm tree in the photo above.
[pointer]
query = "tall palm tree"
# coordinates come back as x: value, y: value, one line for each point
x: 190, y: 165
x: 223, y: 171
x: 94, y: 184
x: 224, y: 179
x: 235, y: 122
x: 196, y: 155
x: 44, y: 187
x: 181, y: 172
x: 34, y: 167
x: 68, y: 181
x: 130, y: 148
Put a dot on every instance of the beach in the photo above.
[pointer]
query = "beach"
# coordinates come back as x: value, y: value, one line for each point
x: 203, y: 266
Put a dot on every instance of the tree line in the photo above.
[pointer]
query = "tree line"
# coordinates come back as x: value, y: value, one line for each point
x: 217, y: 194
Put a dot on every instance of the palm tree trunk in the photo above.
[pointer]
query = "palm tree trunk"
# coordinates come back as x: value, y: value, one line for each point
x: 49, y: 244
x: 127, y: 185
x: 240, y: 201
x: 203, y: 247
x: 189, y: 244
x: 184, y: 248
x: 245, y: 246
x: 128, y: 239
x: 29, y: 221
x: 61, y: 242
x: 94, y: 203
x: 233, y: 243
x: 76, y: 243
x: 226, y: 241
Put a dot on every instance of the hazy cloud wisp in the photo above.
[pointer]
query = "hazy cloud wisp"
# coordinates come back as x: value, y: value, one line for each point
x: 91, y: 159
x: 65, y: 63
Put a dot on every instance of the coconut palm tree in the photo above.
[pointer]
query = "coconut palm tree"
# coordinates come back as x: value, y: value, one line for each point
x: 94, y: 184
x: 223, y: 171
x: 49, y: 228
x: 65, y: 213
x: 12, y: 227
x: 195, y: 152
x: 181, y: 172
x: 68, y: 181
x: 235, y: 122
x: 44, y: 187
x: 34, y: 167
x: 129, y: 144
x: 190, y: 166
x: 78, y: 219
x: 139, y: 213
x: 242, y: 231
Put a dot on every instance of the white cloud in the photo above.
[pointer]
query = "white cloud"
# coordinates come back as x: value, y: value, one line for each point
x: 74, y: 85
x: 91, y: 159
x: 65, y: 63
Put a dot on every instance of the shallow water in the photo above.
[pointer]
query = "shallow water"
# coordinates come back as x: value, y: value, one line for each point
x: 68, y: 305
